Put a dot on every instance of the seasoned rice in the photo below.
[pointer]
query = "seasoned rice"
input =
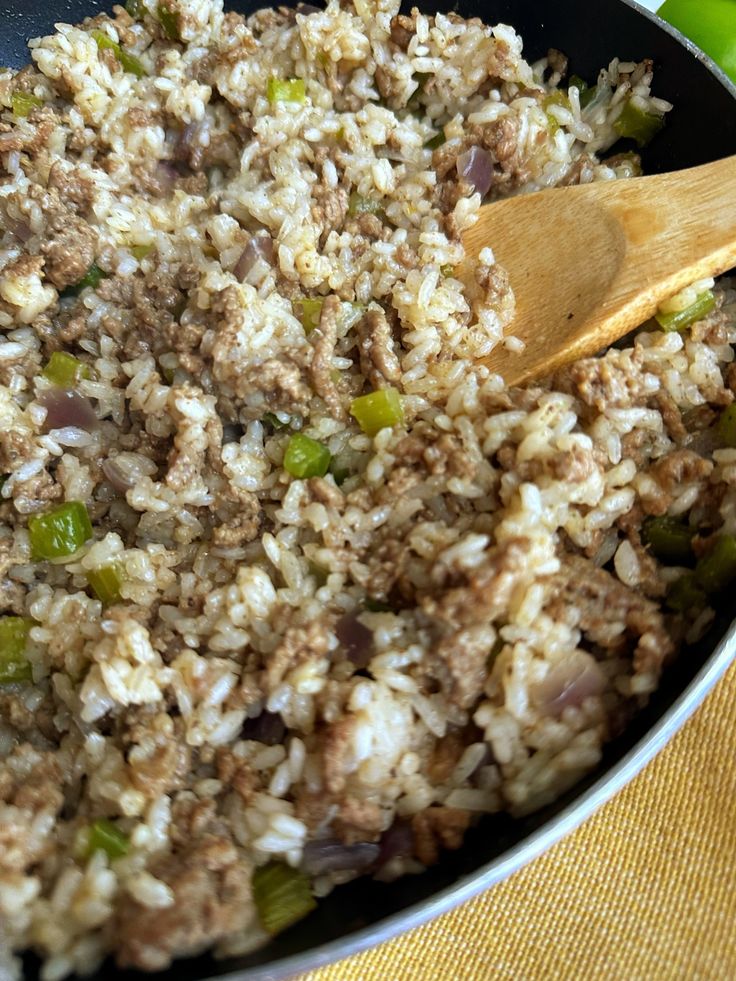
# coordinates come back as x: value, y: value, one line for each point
x: 341, y: 673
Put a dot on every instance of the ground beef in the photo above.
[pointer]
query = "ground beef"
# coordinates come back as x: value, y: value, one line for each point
x: 610, y: 614
x: 212, y: 899
x: 323, y: 339
x: 378, y: 361
x: 438, y: 827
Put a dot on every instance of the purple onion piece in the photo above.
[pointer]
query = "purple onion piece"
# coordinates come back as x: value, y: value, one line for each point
x: 66, y: 408
x: 267, y: 728
x: 396, y: 842
x: 166, y: 175
x: 356, y: 639
x: 185, y: 142
x: 114, y: 475
x: 476, y: 167
x: 259, y: 247
x: 330, y: 855
x: 308, y: 8
x: 569, y: 683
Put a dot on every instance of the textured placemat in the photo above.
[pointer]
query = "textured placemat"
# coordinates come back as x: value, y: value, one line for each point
x: 646, y: 889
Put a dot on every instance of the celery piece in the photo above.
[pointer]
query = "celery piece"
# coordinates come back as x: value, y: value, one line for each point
x: 106, y: 582
x: 64, y: 370
x: 59, y: 532
x: 286, y: 90
x: 311, y: 311
x: 14, y: 667
x: 637, y: 124
x: 169, y: 20
x: 23, y: 103
x: 306, y: 457
x: 726, y: 426
x: 377, y: 410
x: 669, y: 539
x: 680, y: 319
x: 717, y: 568
x: 105, y: 836
x: 282, y: 896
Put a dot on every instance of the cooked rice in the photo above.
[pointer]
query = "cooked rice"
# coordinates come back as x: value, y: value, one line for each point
x: 229, y: 711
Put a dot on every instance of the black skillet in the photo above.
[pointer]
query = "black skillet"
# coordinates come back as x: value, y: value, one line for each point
x: 701, y: 128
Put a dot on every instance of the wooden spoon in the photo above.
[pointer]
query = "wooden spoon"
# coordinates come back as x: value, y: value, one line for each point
x: 590, y: 263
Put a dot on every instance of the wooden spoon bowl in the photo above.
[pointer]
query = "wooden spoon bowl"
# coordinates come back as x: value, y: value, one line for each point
x: 590, y: 263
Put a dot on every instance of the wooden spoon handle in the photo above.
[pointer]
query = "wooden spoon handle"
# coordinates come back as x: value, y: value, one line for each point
x: 590, y: 263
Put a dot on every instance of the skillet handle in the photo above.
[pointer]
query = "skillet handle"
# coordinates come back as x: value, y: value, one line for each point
x: 710, y: 24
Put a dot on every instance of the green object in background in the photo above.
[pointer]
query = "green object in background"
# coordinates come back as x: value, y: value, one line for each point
x: 711, y: 24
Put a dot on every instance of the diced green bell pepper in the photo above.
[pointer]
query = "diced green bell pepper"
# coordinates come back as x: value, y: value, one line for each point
x: 669, y: 539
x: 105, y: 836
x: 637, y: 124
x: 14, y: 667
x: 717, y: 568
x: 681, y: 319
x: 306, y: 457
x: 64, y: 370
x: 59, y: 532
x: 282, y: 896
x: 286, y: 90
x: 377, y: 410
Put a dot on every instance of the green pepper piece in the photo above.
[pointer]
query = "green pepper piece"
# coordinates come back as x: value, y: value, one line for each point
x: 680, y: 319
x: 128, y: 62
x: 107, y: 837
x: 135, y: 8
x: 60, y: 532
x: 669, y: 539
x: 556, y: 98
x: 685, y: 595
x: 282, y: 896
x: 711, y: 24
x: 14, y: 667
x: 141, y: 251
x: 92, y: 278
x: 169, y: 20
x: 726, y: 426
x: 306, y: 457
x: 637, y: 124
x: 439, y: 139
x: 377, y: 410
x: 358, y: 205
x: 23, y: 103
x: 272, y: 420
x: 64, y: 370
x: 447, y: 270
x: 717, y: 568
x: 106, y: 582
x: 311, y: 311
x: 586, y: 93
x: 286, y: 90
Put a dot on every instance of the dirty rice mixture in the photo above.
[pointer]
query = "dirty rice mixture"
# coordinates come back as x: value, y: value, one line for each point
x: 236, y: 669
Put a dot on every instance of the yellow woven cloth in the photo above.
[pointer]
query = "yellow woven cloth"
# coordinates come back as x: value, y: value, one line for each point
x: 645, y: 889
